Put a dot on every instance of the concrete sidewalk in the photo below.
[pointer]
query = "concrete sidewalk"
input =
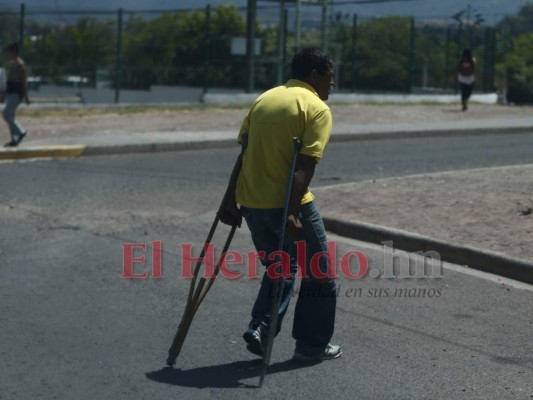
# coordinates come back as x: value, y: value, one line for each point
x: 340, y: 132
x: 124, y: 142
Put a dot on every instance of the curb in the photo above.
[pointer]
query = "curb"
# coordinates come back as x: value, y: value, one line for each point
x: 42, y: 152
x: 61, y: 151
x: 132, y: 148
x: 102, y: 150
x: 483, y: 260
x: 347, y: 137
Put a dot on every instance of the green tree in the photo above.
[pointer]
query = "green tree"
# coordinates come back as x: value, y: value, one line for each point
x: 78, y: 50
x: 90, y: 46
x: 382, y: 54
x: 518, y: 65
x: 9, y: 25
x: 172, y: 48
x: 514, y: 65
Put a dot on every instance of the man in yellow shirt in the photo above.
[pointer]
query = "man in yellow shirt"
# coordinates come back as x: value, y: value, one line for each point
x: 295, y: 109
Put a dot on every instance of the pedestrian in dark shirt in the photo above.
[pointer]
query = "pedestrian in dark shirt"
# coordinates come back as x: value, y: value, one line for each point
x: 16, y: 92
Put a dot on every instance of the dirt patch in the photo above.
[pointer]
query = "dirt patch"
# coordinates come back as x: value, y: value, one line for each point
x: 489, y: 208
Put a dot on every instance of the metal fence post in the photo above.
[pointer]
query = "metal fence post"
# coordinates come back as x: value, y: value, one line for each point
x: 250, y: 44
x: 118, y: 66
x: 447, y: 66
x: 412, y: 49
x: 493, y: 63
x: 460, y: 40
x: 207, y: 46
x: 325, y: 24
x: 486, y: 61
x: 21, y: 24
x: 298, y: 25
x: 285, y: 37
x: 354, y: 52
x: 281, y: 42
x: 489, y: 59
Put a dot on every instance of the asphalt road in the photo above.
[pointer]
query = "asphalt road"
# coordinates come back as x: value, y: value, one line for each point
x: 72, y: 328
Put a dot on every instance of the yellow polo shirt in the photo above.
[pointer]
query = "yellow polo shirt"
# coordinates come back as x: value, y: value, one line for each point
x: 291, y: 110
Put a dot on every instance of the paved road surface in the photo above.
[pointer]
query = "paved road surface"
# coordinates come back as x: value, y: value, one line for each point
x: 71, y: 327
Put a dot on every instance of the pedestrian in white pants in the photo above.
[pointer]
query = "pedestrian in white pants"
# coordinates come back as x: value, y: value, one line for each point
x: 16, y: 92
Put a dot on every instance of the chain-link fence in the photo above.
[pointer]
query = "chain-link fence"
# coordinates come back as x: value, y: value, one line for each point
x: 145, y: 56
x: 405, y: 55
x: 10, y: 25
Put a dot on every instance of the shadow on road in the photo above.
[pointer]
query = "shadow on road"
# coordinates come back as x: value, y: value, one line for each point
x: 221, y: 376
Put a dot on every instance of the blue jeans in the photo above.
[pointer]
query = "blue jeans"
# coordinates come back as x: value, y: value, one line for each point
x: 314, y: 316
x: 13, y: 100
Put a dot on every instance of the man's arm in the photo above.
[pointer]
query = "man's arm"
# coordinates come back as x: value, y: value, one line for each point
x: 228, y: 212
x: 303, y: 174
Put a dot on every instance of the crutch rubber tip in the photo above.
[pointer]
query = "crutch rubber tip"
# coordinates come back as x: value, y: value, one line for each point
x: 170, y: 363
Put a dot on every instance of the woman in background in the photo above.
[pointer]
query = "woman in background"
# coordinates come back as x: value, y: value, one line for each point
x: 16, y: 92
x: 466, y: 76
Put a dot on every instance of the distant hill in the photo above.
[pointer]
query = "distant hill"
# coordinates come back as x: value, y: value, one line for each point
x: 492, y: 10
